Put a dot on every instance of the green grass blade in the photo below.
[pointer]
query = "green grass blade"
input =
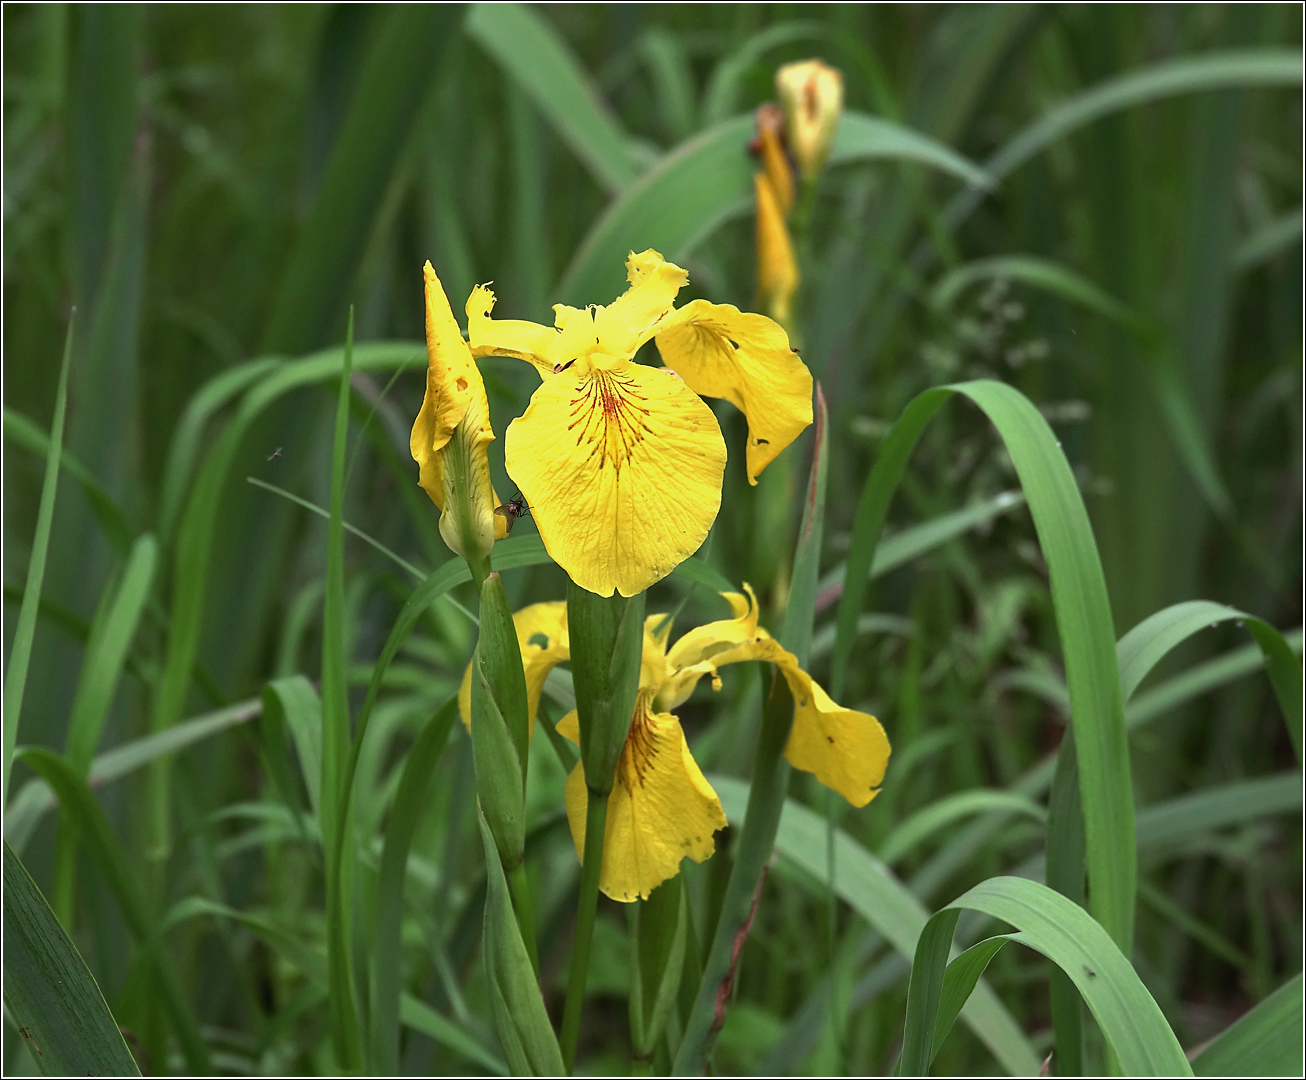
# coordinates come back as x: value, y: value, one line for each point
x: 917, y: 540
x: 25, y: 630
x: 959, y: 983
x: 1166, y: 827
x: 106, y: 654
x: 1067, y: 935
x: 1263, y: 1042
x: 335, y: 816
x: 870, y: 888
x: 1083, y: 618
x: 50, y: 993
x: 1266, y: 242
x: 943, y: 812
x: 1143, y: 647
x: 387, y: 95
x: 107, y: 512
x: 124, y: 882
x: 923, y: 992
x: 800, y: 611
x: 1064, y: 872
x: 419, y: 1016
x: 1046, y: 275
x: 405, y: 814
x: 709, y: 180
x: 534, y: 55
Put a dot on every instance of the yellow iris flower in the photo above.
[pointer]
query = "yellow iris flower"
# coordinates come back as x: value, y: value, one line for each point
x: 662, y: 808
x: 451, y: 433
x: 621, y: 463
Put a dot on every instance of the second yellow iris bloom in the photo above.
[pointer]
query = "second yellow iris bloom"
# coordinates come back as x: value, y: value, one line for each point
x: 662, y: 808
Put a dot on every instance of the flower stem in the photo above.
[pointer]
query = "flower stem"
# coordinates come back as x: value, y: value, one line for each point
x: 596, y: 817
x: 521, y: 898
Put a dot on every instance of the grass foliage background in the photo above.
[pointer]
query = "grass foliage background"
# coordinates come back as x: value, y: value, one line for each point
x: 208, y: 186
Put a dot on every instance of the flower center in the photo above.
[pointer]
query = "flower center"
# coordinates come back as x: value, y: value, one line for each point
x: 609, y: 413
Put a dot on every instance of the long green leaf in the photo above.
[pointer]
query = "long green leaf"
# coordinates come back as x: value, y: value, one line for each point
x: 943, y: 812
x: 532, y: 54
x: 1045, y: 274
x: 1165, y: 826
x: 1062, y: 931
x: 709, y: 180
x: 124, y: 882
x: 334, y: 811
x: 405, y: 814
x: 25, y: 631
x: 770, y: 778
x: 1082, y: 609
x: 107, y: 512
x: 870, y: 888
x: 1265, y: 1041
x: 54, y: 1001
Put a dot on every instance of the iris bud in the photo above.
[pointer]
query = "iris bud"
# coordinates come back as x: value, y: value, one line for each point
x: 811, y: 93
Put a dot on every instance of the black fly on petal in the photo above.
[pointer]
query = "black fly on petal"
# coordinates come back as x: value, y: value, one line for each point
x: 513, y: 509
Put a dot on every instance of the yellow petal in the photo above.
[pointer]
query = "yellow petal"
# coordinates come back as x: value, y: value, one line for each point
x: 542, y: 637
x: 632, y: 319
x: 844, y: 749
x: 687, y: 660
x: 451, y: 377
x: 746, y: 359
x: 653, y: 659
x: 660, y: 810
x: 508, y: 337
x: 622, y: 471
x: 777, y: 269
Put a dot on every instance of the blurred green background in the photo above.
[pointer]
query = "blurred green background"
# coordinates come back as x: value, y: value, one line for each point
x: 210, y: 185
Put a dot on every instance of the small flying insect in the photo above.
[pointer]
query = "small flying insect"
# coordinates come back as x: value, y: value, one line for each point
x: 275, y: 453
x: 513, y: 509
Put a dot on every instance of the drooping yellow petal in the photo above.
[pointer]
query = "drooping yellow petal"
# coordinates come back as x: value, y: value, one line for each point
x: 745, y: 358
x: 622, y: 471
x: 624, y: 325
x: 542, y: 637
x: 846, y: 750
x: 451, y: 375
x: 509, y: 337
x: 661, y: 808
x: 777, y: 268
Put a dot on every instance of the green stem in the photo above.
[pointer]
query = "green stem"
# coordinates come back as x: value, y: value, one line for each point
x: 596, y: 818
x: 766, y: 797
x: 521, y: 898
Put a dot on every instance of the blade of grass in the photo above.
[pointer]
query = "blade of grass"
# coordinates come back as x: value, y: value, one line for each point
x: 49, y: 991
x: 943, y: 812
x: 335, y: 816
x: 1082, y: 609
x: 532, y: 53
x: 125, y: 883
x: 1060, y: 929
x: 1265, y: 1041
x: 405, y: 814
x: 25, y: 630
x: 107, y: 512
x: 770, y: 780
x: 870, y: 888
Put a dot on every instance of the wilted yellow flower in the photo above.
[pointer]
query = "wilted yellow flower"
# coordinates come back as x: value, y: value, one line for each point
x: 662, y: 808
x: 451, y: 433
x: 811, y: 93
x: 621, y: 463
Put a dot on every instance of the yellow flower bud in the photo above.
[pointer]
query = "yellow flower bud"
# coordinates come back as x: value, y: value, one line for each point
x: 811, y: 93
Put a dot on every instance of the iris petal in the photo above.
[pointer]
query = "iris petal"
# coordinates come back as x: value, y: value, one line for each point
x: 723, y: 352
x: 661, y: 807
x: 622, y: 470
x: 542, y: 637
